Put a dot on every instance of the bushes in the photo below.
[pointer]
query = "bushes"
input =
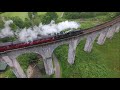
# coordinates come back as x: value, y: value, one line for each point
x: 34, y: 18
x: 18, y: 21
x: 13, y: 27
x: 46, y: 19
x: 32, y: 15
x: 117, y: 14
x: 37, y: 20
x: 7, y: 39
x: 1, y: 23
x: 2, y: 12
x: 71, y: 15
x: 26, y: 59
x: 77, y: 15
x: 27, y: 23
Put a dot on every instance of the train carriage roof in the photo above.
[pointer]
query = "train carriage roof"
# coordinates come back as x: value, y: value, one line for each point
x: 5, y: 44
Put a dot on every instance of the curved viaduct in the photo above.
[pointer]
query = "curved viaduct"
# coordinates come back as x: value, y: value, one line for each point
x: 101, y: 32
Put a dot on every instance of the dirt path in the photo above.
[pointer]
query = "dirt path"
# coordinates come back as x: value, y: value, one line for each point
x: 57, y: 67
x: 33, y: 71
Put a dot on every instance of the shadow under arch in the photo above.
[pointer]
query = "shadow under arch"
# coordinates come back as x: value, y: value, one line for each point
x: 32, y: 64
x: 58, y: 51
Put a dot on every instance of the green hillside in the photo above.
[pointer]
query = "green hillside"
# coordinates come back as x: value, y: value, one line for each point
x: 22, y: 15
x: 102, y: 62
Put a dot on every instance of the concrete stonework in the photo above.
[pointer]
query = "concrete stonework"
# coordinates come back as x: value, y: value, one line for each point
x: 16, y: 68
x: 102, y: 37
x: 111, y: 32
x: 89, y: 42
x: 72, y: 48
x: 117, y: 28
x: 48, y: 63
x: 46, y: 50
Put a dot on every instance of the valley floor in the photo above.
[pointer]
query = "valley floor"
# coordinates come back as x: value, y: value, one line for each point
x: 102, y: 62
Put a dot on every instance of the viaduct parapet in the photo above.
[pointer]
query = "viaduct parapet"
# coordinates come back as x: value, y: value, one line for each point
x: 46, y: 50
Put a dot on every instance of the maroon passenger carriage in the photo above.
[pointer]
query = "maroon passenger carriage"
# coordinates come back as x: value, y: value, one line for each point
x: 17, y: 44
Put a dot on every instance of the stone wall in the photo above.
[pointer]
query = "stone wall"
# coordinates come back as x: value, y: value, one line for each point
x: 47, y: 50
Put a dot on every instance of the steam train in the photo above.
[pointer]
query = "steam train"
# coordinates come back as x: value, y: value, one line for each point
x: 17, y: 44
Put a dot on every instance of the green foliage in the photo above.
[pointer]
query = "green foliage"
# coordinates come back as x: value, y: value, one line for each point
x: 77, y: 15
x: 30, y: 15
x: 2, y: 12
x: 18, y: 21
x: 112, y: 15
x: 7, y: 39
x: 60, y: 20
x: 27, y: 23
x: 88, y: 24
x: 37, y: 20
x: 117, y: 14
x: 1, y: 23
x: 13, y: 27
x: 40, y: 64
x: 102, y: 62
x: 48, y: 17
x: 7, y: 73
x: 34, y: 18
x: 71, y: 15
x: 26, y: 59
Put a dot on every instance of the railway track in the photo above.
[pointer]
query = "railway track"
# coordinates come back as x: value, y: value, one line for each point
x: 86, y: 31
x: 103, y: 25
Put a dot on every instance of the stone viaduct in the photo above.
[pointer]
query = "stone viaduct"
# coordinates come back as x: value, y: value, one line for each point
x: 46, y: 50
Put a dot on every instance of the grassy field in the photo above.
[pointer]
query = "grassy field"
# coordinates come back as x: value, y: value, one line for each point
x: 23, y: 15
x: 7, y: 74
x: 102, y: 62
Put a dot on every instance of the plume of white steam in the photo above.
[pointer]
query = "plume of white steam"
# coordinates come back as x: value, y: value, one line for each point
x: 27, y: 35
x: 48, y: 30
x: 6, y: 31
x: 53, y: 28
x: 67, y: 25
x: 30, y: 34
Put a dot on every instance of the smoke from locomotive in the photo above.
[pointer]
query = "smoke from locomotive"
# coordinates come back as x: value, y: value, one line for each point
x: 30, y: 34
x: 6, y: 32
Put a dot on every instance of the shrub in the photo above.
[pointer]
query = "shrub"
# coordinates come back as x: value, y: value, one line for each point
x: 48, y: 17
x: 1, y: 23
x: 27, y: 23
x: 34, y: 18
x: 26, y: 59
x: 2, y: 12
x: 71, y: 15
x: 13, y: 27
x: 31, y: 14
x: 18, y: 21
x: 7, y: 39
x: 117, y: 13
x: 77, y: 15
x: 37, y: 20
x: 60, y: 20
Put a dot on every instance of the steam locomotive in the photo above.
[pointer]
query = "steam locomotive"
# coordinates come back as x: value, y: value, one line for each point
x: 17, y: 44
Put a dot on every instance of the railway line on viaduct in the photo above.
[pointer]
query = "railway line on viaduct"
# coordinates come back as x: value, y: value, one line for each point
x: 99, y: 32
